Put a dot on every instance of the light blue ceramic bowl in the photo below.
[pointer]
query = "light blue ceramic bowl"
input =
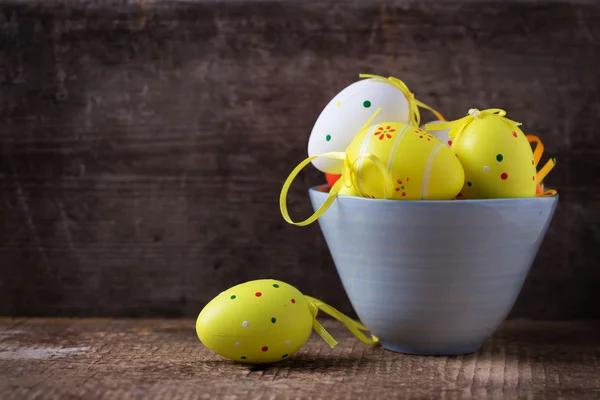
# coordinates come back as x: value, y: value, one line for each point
x: 433, y: 277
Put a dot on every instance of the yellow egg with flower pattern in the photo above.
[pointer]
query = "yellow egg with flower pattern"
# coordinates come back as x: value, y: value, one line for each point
x: 408, y: 164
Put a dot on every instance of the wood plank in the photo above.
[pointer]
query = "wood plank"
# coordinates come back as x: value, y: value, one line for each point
x: 102, y: 358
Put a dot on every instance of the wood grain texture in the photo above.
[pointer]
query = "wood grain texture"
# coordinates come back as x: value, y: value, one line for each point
x: 148, y: 359
x: 144, y: 144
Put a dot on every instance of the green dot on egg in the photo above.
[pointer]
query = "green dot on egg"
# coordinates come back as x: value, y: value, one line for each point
x: 232, y: 297
x: 243, y: 357
x: 532, y: 162
x: 469, y: 184
x: 275, y: 285
x: 284, y: 356
x: 499, y: 157
x: 273, y: 320
x: 328, y: 138
x: 366, y: 104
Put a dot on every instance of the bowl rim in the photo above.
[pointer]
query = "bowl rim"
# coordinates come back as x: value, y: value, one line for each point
x: 323, y: 190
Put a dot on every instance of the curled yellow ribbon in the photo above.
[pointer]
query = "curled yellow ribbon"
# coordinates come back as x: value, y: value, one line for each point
x: 354, y: 326
x: 413, y: 103
x: 457, y: 126
x: 349, y: 176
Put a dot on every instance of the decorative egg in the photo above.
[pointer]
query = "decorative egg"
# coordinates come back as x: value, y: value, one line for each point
x: 409, y: 164
x: 265, y: 321
x: 442, y: 135
x: 349, y: 191
x: 496, y: 156
x: 260, y: 321
x: 347, y: 112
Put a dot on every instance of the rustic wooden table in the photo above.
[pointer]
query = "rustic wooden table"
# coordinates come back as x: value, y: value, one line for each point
x: 97, y: 358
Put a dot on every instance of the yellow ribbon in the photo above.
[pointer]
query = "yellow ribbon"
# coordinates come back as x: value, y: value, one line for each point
x: 413, y: 103
x: 349, y: 177
x: 457, y: 126
x: 354, y: 326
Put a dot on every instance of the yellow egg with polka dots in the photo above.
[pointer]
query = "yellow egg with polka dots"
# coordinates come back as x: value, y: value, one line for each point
x: 497, y: 159
x: 256, y: 322
x: 409, y: 164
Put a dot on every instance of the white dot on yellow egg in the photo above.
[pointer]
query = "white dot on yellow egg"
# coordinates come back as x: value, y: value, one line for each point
x: 287, y: 342
x: 486, y: 169
x: 237, y: 343
x: 245, y: 324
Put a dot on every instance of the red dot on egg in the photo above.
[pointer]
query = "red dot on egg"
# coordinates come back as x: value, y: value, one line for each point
x: 533, y: 177
x: 265, y: 348
x: 293, y: 301
x: 515, y: 134
x: 504, y: 176
x: 449, y: 142
x: 258, y: 294
x: 421, y: 136
x: 403, y: 194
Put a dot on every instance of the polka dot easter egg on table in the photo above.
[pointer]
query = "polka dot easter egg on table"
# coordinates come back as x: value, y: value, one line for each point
x: 265, y: 321
x: 343, y: 116
x: 496, y: 155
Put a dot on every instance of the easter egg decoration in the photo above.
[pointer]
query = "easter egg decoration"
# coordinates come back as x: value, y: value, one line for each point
x: 496, y: 155
x: 389, y: 160
x: 410, y: 164
x: 266, y: 320
x: 346, y: 112
x: 441, y: 134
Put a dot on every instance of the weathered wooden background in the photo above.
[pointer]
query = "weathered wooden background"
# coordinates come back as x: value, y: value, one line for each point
x: 144, y: 144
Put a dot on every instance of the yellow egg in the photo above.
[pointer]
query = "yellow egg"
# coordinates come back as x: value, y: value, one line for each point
x: 260, y: 321
x: 348, y: 191
x: 419, y: 165
x: 497, y: 159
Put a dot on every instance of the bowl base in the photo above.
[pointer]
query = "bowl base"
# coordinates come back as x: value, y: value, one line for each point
x: 429, y: 352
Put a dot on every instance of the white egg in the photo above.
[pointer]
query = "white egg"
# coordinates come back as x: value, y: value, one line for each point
x: 441, y: 135
x: 346, y: 114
